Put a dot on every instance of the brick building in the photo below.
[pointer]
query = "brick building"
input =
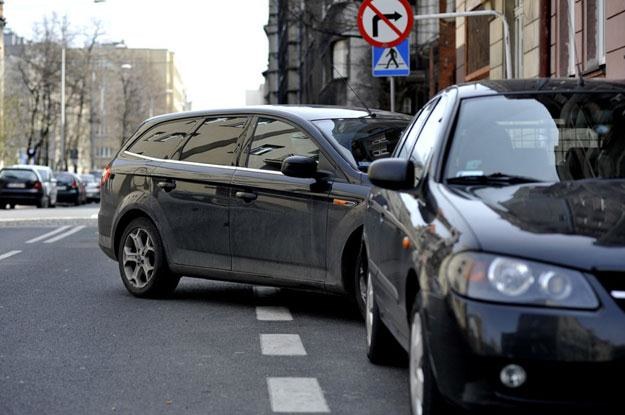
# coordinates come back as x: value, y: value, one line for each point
x: 546, y: 36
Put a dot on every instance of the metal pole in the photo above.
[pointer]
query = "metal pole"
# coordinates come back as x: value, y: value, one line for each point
x: 494, y: 13
x: 63, y: 164
x: 392, y: 81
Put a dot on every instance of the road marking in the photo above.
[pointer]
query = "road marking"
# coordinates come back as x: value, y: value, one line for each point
x: 265, y: 292
x: 296, y: 395
x: 281, y: 345
x: 65, y: 234
x: 270, y: 313
x: 9, y: 254
x: 94, y: 216
x: 47, y: 235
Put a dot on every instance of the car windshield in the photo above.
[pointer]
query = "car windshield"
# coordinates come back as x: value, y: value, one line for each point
x: 365, y: 139
x: 547, y: 137
x: 21, y: 175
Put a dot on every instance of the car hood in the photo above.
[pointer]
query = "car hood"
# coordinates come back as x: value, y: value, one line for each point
x: 580, y: 224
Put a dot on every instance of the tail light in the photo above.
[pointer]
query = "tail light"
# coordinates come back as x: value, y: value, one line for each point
x: 106, y: 175
x: 74, y: 185
x: 37, y: 185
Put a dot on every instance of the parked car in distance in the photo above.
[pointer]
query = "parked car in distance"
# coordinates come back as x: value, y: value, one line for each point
x: 270, y: 195
x: 27, y: 185
x: 92, y: 187
x: 71, y: 188
x: 495, y: 240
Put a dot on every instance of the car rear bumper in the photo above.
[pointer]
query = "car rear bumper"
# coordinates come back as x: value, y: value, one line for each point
x: 571, y: 358
x: 21, y: 197
x: 67, y: 196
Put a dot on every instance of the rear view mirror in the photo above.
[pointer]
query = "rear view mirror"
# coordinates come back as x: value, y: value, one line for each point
x: 299, y: 166
x: 392, y: 174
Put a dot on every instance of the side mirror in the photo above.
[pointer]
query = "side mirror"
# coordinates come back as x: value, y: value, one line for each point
x: 299, y: 166
x: 392, y: 174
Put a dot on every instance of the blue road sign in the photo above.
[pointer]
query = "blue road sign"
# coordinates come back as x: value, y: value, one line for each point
x: 391, y: 61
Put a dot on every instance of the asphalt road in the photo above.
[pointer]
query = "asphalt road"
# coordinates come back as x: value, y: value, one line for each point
x: 72, y: 340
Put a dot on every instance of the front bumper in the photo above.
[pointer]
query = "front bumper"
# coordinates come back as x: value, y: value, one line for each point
x: 572, y: 358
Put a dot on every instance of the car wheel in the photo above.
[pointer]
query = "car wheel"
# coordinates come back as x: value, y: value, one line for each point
x: 382, y: 348
x: 360, y: 281
x: 142, y: 262
x: 425, y: 399
x: 43, y: 203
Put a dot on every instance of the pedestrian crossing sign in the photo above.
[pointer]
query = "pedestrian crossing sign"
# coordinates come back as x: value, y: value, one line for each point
x: 393, y: 61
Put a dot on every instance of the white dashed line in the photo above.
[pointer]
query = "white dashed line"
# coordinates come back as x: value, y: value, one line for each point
x: 270, y: 313
x: 9, y: 254
x: 282, y: 345
x: 47, y: 235
x: 296, y: 395
x: 65, y: 234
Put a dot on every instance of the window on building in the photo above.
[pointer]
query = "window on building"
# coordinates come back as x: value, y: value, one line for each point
x: 478, y: 46
x: 215, y: 141
x: 340, y: 59
x: 162, y: 140
x: 276, y: 140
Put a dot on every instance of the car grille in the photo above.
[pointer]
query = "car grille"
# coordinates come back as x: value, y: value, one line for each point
x: 614, y: 283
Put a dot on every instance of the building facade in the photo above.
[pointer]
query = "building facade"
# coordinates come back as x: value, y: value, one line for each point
x: 548, y: 38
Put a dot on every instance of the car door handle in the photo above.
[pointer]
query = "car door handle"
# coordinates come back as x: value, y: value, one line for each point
x: 167, y: 185
x: 247, y: 196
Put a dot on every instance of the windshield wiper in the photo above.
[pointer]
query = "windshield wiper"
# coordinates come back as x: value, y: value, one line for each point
x: 491, y: 179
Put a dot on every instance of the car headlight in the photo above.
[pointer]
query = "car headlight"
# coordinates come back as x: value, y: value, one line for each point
x: 509, y: 280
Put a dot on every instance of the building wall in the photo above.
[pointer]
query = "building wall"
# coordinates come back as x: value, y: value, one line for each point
x: 542, y: 47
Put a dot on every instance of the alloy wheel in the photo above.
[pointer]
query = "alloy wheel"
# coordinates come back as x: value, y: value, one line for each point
x: 139, y: 258
x: 369, y: 309
x: 362, y: 281
x: 416, y: 366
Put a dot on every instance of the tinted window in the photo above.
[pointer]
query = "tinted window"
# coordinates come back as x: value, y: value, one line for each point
x: 215, y: 141
x: 415, y: 129
x: 19, y: 175
x: 276, y: 140
x: 163, y: 139
x: 366, y: 139
x: 429, y: 134
x: 65, y: 178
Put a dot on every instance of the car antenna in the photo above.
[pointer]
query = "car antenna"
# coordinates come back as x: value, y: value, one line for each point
x: 362, y: 102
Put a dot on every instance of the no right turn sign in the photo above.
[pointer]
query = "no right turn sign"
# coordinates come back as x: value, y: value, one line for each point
x: 385, y: 23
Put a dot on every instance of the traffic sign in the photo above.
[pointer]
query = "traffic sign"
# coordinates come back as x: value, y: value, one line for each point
x: 385, y: 23
x: 393, y: 61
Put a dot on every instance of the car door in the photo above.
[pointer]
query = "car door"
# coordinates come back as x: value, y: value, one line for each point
x: 193, y: 191
x: 396, y: 210
x: 279, y: 222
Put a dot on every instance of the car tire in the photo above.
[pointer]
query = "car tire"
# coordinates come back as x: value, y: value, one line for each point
x: 382, y: 348
x: 425, y: 398
x: 142, y: 263
x: 43, y: 203
x: 360, y: 281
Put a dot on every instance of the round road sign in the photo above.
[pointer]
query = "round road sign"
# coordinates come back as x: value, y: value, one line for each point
x: 385, y: 23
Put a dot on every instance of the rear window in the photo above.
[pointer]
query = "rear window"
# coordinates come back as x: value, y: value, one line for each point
x: 18, y: 175
x: 65, y: 178
x: 162, y: 140
x: 365, y: 139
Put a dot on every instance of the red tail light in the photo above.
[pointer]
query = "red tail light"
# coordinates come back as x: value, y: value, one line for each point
x: 74, y: 185
x: 37, y: 185
x: 106, y: 175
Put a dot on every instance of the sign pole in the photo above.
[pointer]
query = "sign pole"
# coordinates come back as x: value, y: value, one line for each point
x: 392, y: 80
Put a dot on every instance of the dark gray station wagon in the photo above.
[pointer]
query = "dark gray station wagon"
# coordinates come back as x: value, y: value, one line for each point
x: 266, y: 195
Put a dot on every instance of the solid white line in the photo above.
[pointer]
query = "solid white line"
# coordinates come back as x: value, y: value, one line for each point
x: 65, y: 235
x: 270, y: 313
x: 281, y: 345
x: 47, y: 235
x: 619, y: 295
x: 9, y: 254
x: 296, y: 395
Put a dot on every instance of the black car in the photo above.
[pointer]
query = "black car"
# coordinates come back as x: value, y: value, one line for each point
x: 495, y: 240
x: 70, y: 188
x: 267, y: 195
x: 22, y: 185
